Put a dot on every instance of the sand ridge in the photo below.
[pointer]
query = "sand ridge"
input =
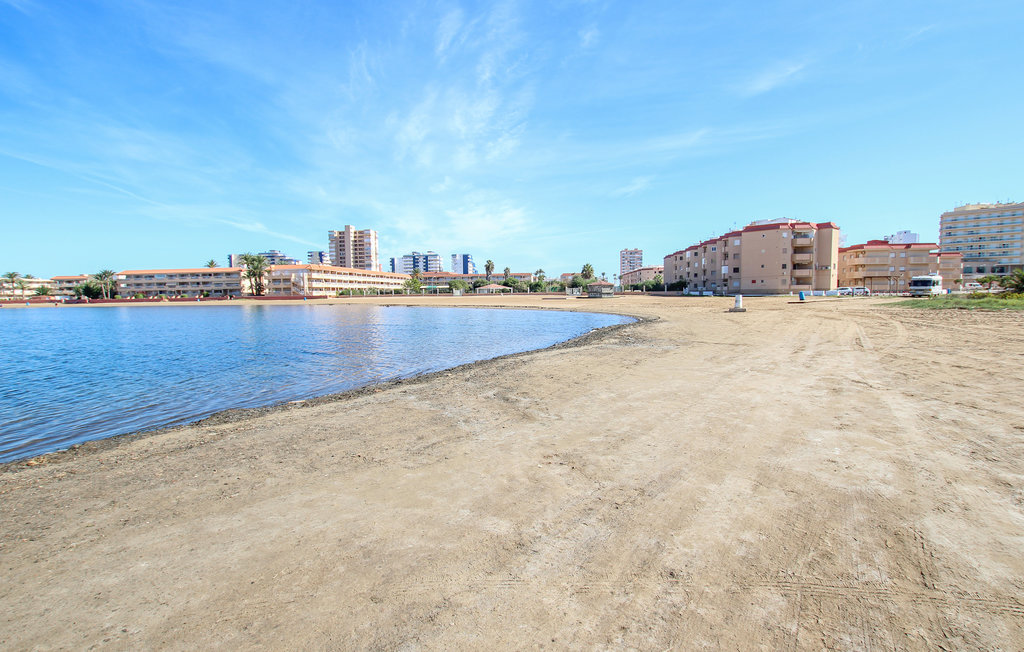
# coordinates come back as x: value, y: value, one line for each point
x: 840, y: 475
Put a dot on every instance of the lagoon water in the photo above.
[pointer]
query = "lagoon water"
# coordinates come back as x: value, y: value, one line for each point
x: 69, y: 375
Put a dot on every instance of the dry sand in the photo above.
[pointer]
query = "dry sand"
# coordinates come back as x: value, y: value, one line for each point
x: 839, y: 475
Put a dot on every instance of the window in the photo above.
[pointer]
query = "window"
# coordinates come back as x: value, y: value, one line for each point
x: 762, y: 266
x: 784, y: 250
x: 735, y: 270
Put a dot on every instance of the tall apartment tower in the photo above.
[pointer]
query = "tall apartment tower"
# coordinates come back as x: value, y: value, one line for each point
x: 463, y: 264
x: 990, y: 237
x: 354, y: 249
x: 318, y: 258
x: 630, y: 259
x: 407, y: 264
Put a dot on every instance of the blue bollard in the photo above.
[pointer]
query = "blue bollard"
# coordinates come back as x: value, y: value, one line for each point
x: 801, y: 295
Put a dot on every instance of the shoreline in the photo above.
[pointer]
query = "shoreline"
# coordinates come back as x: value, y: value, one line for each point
x: 234, y: 415
x: 834, y: 475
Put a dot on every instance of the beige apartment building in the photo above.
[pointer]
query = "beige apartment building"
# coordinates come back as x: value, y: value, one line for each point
x: 441, y: 279
x: 204, y: 281
x: 990, y: 237
x: 23, y: 287
x: 630, y: 259
x: 354, y: 249
x: 328, y: 280
x: 64, y: 286
x: 640, y: 275
x: 766, y: 257
x: 882, y: 266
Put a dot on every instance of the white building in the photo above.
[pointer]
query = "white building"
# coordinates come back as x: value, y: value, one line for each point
x: 318, y: 258
x: 407, y: 264
x: 990, y: 237
x: 902, y: 237
x: 463, y: 264
x: 354, y: 249
x: 630, y: 259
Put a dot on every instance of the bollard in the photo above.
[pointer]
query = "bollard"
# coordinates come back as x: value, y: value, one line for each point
x: 801, y: 295
x: 739, y: 304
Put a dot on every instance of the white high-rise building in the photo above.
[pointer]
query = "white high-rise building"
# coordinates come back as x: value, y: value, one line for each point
x: 902, y: 237
x: 407, y: 264
x: 463, y: 264
x: 630, y: 259
x: 318, y: 257
x: 990, y: 236
x: 354, y: 249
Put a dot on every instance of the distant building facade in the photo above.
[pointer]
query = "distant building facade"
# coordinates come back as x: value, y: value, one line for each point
x: 273, y: 257
x: 765, y: 257
x: 328, y: 280
x: 64, y: 286
x: 356, y: 249
x: 884, y: 266
x: 441, y: 279
x: 989, y: 236
x: 463, y: 264
x: 640, y: 275
x: 630, y: 259
x: 188, y: 282
x: 318, y: 258
x: 409, y: 263
x: 900, y: 237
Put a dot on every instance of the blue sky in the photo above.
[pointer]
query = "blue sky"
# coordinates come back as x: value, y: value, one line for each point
x: 537, y: 134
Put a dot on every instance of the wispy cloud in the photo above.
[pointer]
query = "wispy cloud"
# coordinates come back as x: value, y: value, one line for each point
x: 638, y: 184
x: 20, y: 5
x: 771, y: 78
x: 589, y: 36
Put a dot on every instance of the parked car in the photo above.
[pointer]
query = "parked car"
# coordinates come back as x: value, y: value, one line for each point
x: 972, y: 286
x: 861, y: 292
x: 845, y: 292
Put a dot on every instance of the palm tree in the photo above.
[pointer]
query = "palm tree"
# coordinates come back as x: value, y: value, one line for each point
x: 22, y: 285
x: 105, y: 279
x: 588, y: 271
x: 12, y: 280
x: 1014, y: 282
x: 255, y: 271
x: 211, y: 263
x: 489, y: 268
x: 43, y: 291
x: 507, y: 273
x: 540, y: 275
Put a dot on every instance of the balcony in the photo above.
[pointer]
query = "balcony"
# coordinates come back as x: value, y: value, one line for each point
x: 803, y: 271
x: 803, y: 258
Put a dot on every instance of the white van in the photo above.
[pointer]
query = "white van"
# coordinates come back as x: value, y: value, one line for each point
x: 926, y: 286
x: 972, y: 286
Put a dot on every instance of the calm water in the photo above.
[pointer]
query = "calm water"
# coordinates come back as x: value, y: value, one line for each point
x: 69, y: 375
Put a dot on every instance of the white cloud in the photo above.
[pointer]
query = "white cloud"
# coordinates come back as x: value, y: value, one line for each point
x: 589, y: 37
x: 770, y: 79
x: 447, y: 30
x: 639, y: 184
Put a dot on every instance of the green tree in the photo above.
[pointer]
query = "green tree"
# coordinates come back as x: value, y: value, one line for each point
x: 488, y: 270
x: 43, y: 291
x: 515, y: 284
x: 22, y: 285
x: 105, y: 280
x: 659, y: 282
x: 90, y: 290
x: 988, y: 281
x: 1014, y: 282
x: 11, y: 278
x: 459, y: 284
x: 538, y: 286
x: 479, y: 283
x: 507, y: 273
x: 255, y: 272
x: 588, y: 271
x: 413, y: 284
x: 679, y: 286
x: 578, y: 281
x: 211, y: 263
x: 540, y: 275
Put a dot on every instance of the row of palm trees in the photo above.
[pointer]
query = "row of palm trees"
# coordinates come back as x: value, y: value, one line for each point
x: 103, y: 281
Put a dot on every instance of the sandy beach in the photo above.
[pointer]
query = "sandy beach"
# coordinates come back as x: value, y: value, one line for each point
x: 841, y: 474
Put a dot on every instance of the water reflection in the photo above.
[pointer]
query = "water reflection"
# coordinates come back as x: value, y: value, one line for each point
x: 71, y: 375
